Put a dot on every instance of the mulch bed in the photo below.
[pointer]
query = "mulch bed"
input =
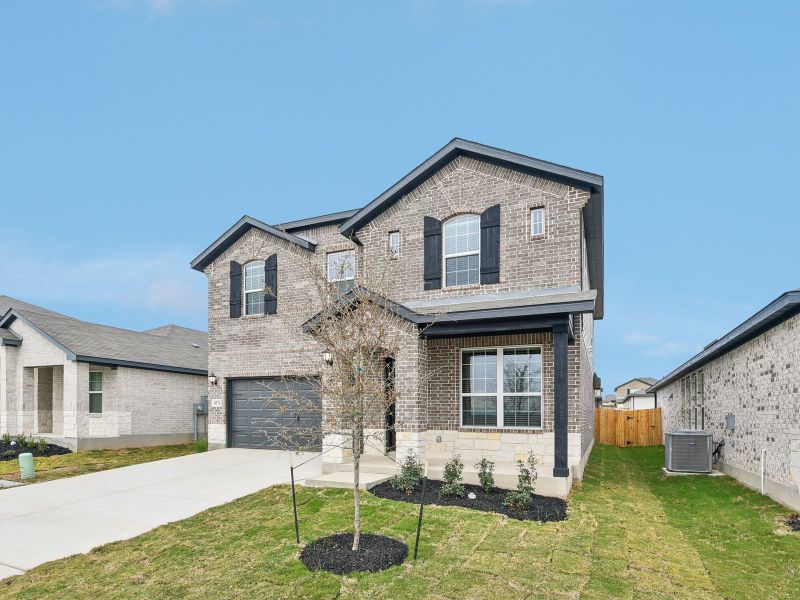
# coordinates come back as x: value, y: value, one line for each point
x: 793, y: 522
x: 335, y: 553
x: 11, y: 450
x: 543, y: 508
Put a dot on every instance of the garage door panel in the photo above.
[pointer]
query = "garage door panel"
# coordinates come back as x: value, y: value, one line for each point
x: 273, y: 413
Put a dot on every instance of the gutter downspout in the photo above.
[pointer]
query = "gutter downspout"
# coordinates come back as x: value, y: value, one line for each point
x: 763, y: 460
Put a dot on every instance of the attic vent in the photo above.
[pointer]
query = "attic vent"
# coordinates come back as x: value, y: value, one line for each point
x: 688, y: 451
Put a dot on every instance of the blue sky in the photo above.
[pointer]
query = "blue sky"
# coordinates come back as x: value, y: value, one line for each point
x: 132, y: 133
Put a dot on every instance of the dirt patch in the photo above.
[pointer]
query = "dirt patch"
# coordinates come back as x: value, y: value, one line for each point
x: 793, y: 522
x: 542, y: 508
x: 335, y: 555
x: 10, y: 451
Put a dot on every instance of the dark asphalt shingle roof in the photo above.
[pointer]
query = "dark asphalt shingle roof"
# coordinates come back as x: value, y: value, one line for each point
x: 170, y: 347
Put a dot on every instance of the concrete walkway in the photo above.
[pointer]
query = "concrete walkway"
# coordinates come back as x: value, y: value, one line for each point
x: 47, y: 521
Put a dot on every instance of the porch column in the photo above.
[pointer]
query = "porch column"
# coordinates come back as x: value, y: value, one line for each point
x: 560, y: 411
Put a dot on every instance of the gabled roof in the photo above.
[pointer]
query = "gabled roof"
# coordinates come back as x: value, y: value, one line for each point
x: 782, y: 308
x: 352, y: 220
x: 242, y: 226
x: 167, y: 348
x: 592, y: 212
x: 647, y: 380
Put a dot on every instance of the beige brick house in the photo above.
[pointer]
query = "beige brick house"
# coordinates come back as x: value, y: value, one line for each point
x: 509, y: 249
x: 86, y: 386
x: 744, y: 389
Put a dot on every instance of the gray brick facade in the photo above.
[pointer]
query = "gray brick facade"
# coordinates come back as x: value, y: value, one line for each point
x: 758, y: 384
x: 427, y: 373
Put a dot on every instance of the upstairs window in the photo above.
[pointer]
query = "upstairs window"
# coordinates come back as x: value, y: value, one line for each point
x: 394, y: 244
x: 462, y: 244
x: 342, y: 265
x: 95, y: 392
x: 254, y: 285
x: 537, y: 222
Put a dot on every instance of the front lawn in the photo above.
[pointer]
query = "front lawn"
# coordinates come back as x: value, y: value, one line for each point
x: 89, y: 461
x: 630, y: 534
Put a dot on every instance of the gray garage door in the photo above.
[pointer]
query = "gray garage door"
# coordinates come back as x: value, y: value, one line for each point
x: 266, y: 414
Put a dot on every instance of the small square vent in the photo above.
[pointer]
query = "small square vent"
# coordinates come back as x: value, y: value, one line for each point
x: 730, y: 422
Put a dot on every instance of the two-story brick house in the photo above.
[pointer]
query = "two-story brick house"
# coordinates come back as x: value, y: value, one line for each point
x: 509, y: 249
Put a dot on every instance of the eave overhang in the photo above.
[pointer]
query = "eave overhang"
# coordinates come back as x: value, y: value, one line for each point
x: 779, y: 310
x: 242, y: 226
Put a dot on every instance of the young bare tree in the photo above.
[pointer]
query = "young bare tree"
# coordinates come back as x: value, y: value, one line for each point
x: 362, y: 334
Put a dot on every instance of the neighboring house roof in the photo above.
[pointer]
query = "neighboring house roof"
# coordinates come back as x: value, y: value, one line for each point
x: 596, y: 383
x: 351, y: 220
x: 647, y: 380
x: 167, y: 348
x: 782, y: 308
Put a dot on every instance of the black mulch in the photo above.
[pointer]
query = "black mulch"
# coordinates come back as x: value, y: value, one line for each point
x: 10, y: 451
x: 542, y: 508
x: 335, y: 553
x: 793, y: 521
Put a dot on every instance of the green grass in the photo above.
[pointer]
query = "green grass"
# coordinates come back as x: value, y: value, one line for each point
x: 631, y: 534
x: 90, y: 461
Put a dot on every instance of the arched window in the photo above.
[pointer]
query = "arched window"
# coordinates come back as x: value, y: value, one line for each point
x: 462, y: 250
x: 254, y: 288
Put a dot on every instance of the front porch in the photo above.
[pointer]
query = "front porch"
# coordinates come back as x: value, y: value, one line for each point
x: 500, y: 419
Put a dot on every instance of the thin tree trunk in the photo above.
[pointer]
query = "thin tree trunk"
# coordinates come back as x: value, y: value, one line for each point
x: 356, y: 492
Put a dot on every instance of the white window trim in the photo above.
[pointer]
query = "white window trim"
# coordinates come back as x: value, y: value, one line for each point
x: 393, y: 255
x: 445, y: 256
x: 544, y: 221
x: 499, y: 394
x: 252, y: 290
x: 328, y: 265
x: 100, y: 392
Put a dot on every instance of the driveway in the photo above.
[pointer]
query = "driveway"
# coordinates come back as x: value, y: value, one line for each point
x: 51, y: 520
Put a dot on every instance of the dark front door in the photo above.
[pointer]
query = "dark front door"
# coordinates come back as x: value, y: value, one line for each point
x: 267, y: 413
x: 391, y: 437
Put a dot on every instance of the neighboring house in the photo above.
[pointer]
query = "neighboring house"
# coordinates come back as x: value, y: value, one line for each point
x: 633, y: 394
x: 598, y: 390
x: 744, y: 388
x: 508, y: 247
x: 89, y: 386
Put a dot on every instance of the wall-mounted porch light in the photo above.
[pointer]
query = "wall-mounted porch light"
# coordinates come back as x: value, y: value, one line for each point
x: 327, y: 357
x: 212, y: 379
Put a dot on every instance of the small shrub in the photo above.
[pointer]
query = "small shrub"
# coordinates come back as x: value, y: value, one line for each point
x: 42, y: 445
x: 20, y: 440
x: 453, y: 484
x: 410, y: 475
x: 201, y: 446
x: 6, y: 439
x: 30, y: 442
x: 485, y: 474
x: 8, y: 454
x: 526, y: 482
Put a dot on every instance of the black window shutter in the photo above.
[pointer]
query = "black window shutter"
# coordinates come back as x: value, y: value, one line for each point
x: 236, y: 290
x: 433, y: 253
x: 490, y: 245
x: 271, y: 283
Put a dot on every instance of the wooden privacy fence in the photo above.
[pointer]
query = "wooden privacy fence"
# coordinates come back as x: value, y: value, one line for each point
x: 625, y: 428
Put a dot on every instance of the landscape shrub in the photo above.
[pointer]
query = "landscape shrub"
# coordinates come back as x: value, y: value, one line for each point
x: 410, y: 475
x: 526, y: 483
x: 8, y: 454
x: 20, y: 440
x: 485, y: 474
x: 42, y: 445
x: 5, y: 438
x: 453, y: 483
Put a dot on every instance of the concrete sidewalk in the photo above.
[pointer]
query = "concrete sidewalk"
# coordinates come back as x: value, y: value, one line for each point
x: 51, y: 520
